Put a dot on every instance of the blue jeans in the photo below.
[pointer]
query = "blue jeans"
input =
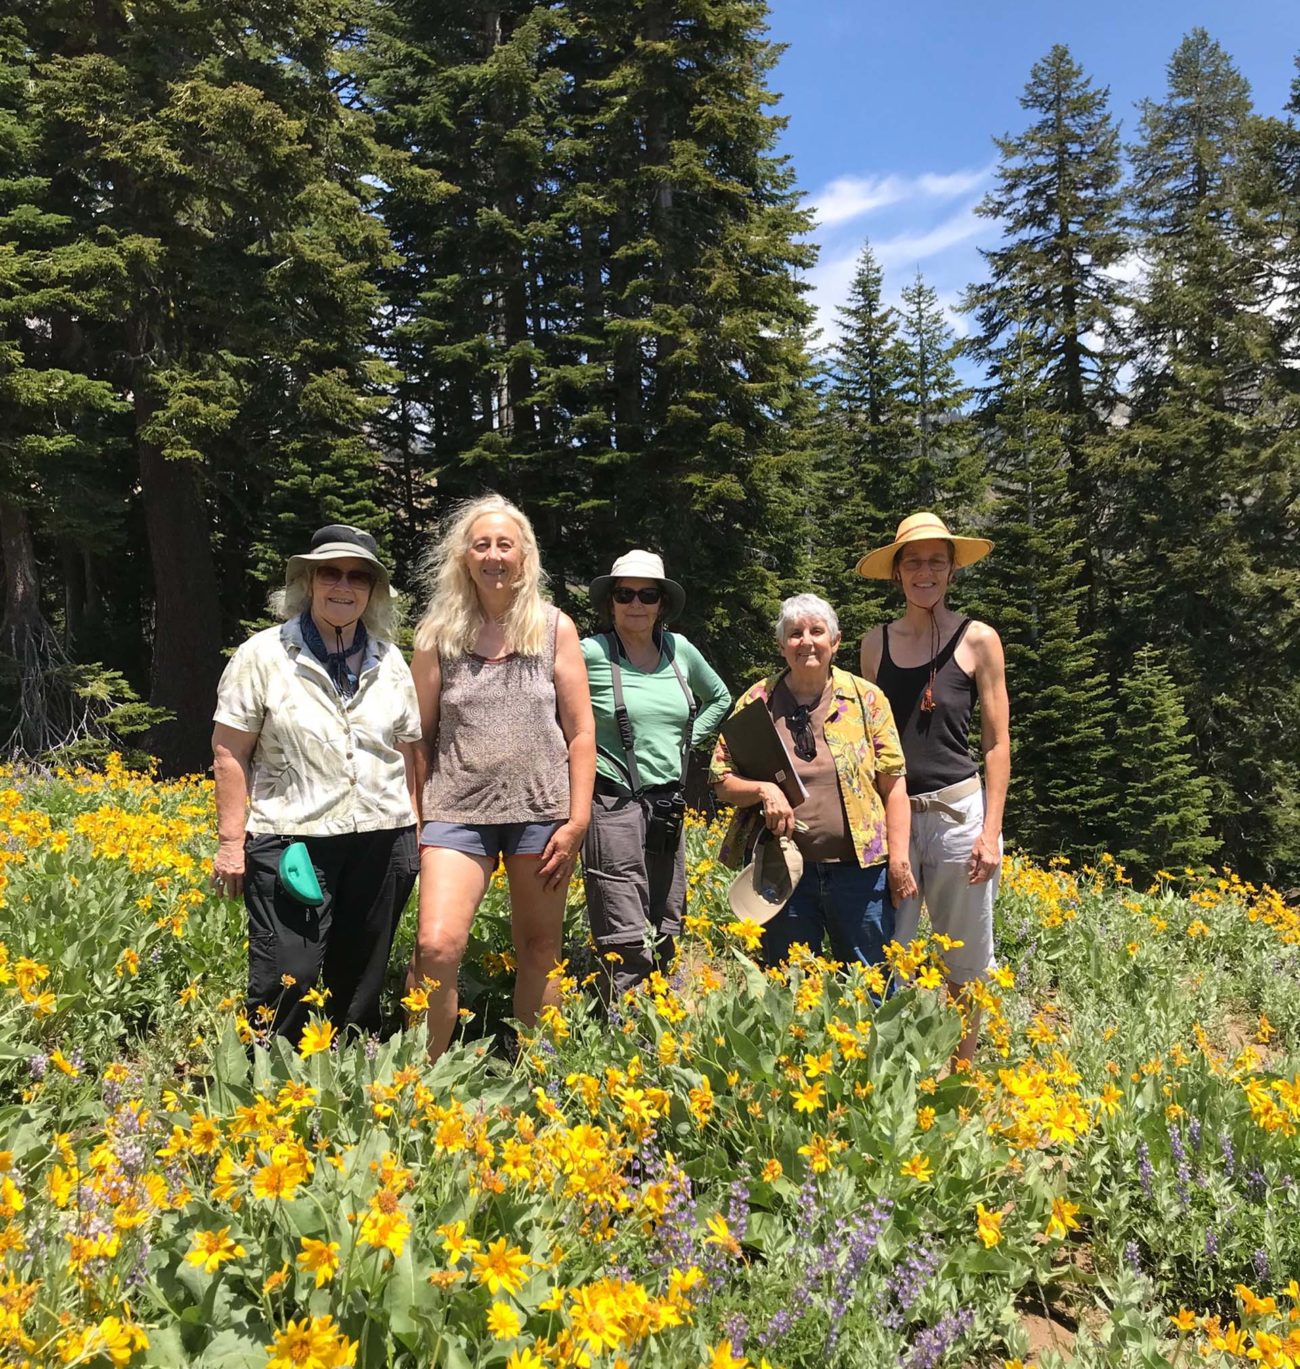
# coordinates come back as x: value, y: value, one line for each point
x: 841, y: 898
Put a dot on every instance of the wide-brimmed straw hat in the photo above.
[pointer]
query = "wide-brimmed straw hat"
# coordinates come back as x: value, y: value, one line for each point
x: 921, y: 527
x: 765, y: 885
x: 337, y: 542
x: 639, y: 565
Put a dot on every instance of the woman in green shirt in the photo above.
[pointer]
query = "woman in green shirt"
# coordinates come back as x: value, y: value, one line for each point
x: 654, y: 697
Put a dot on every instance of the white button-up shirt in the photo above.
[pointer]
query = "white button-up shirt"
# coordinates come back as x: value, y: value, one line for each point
x: 323, y: 765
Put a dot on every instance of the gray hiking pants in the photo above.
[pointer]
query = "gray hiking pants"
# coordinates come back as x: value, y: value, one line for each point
x: 635, y: 901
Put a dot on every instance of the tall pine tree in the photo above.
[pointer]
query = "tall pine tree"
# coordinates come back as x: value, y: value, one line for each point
x: 939, y: 467
x: 1030, y: 590
x: 1058, y: 203
x: 618, y: 253
x: 1206, y: 476
x: 1161, y: 812
x: 227, y: 188
x: 862, y: 433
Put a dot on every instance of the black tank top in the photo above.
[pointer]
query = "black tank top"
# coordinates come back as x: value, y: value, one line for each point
x: 936, y: 745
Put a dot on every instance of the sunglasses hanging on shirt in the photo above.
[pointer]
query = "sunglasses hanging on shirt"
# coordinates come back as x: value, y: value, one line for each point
x: 801, y: 733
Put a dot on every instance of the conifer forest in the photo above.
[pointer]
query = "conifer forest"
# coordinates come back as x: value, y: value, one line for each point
x: 267, y: 266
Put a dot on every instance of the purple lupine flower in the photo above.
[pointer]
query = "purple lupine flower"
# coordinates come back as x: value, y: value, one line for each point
x: 908, y: 1281
x: 1176, y: 1146
x: 131, y: 1156
x: 37, y: 1063
x: 1229, y: 1155
x: 125, y: 1122
x: 371, y: 1047
x: 735, y: 1329
x: 858, y: 1239
x: 1145, y: 1172
x: 1256, y: 1181
x: 1133, y: 1256
x: 1260, y: 1260
x: 1211, y: 1243
x: 1182, y: 1180
x: 782, y: 1320
x: 1194, y: 1133
x: 932, y: 1344
x: 738, y: 1209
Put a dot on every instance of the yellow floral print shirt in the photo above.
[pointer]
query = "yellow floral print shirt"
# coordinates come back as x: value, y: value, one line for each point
x: 862, y: 738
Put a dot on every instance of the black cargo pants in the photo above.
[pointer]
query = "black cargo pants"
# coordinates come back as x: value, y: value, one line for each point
x: 366, y: 878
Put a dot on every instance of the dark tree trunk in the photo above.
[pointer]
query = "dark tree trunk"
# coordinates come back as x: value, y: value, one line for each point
x: 22, y: 580
x: 74, y: 593
x: 187, y: 609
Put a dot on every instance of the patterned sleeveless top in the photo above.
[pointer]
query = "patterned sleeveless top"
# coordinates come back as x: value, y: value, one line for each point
x: 500, y: 754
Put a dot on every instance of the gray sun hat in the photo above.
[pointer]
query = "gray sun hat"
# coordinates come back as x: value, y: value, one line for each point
x: 765, y: 885
x: 336, y: 542
x: 639, y: 565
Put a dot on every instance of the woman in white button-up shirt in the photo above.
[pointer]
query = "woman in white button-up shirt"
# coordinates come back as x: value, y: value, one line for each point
x: 316, y: 728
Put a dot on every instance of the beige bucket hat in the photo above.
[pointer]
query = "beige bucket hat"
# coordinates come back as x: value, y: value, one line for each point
x: 921, y: 527
x: 764, y: 886
x: 639, y: 565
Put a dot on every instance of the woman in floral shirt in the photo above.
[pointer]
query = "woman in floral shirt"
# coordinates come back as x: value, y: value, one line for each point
x: 852, y: 830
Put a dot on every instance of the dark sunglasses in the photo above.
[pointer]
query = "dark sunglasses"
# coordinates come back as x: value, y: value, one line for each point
x: 332, y: 575
x: 650, y: 595
x: 801, y: 733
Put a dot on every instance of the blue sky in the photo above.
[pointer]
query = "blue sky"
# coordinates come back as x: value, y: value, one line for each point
x: 893, y: 107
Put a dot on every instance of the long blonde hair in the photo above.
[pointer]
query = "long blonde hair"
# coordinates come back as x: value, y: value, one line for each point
x: 452, y: 621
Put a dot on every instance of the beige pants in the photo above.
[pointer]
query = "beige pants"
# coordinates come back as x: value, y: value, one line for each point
x: 940, y: 855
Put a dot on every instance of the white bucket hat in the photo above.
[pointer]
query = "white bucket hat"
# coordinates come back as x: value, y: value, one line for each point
x: 335, y: 542
x: 639, y: 565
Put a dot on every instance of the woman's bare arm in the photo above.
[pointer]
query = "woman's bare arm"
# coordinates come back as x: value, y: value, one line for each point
x: 232, y: 751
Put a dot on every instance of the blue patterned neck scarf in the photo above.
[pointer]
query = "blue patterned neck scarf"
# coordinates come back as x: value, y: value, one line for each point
x: 336, y: 662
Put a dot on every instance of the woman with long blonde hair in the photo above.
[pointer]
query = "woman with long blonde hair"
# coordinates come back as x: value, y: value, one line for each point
x: 509, y: 754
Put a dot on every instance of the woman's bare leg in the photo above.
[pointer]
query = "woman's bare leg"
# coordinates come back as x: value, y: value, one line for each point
x: 537, y: 921
x: 452, y: 885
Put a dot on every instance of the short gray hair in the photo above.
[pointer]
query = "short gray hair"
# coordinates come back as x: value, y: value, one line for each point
x: 382, y: 617
x: 805, y: 606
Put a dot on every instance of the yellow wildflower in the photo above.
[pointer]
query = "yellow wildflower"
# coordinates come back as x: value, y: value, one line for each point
x: 918, y: 1168
x: 500, y: 1266
x: 503, y: 1321
x: 317, y: 1035
x: 988, y: 1225
x: 320, y: 1258
x: 212, y: 1249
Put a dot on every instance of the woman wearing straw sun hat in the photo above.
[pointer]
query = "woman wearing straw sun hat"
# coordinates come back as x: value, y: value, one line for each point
x: 654, y: 697
x: 932, y: 665
x: 314, y: 747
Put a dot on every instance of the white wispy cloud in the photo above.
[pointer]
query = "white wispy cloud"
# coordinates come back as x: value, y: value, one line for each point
x: 907, y: 249
x: 851, y: 197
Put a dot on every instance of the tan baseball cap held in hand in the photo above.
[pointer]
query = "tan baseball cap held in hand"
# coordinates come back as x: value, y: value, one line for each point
x: 921, y: 527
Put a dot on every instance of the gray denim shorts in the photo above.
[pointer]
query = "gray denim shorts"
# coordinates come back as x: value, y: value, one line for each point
x: 490, y: 839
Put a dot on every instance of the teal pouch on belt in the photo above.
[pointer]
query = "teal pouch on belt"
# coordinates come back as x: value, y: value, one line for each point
x: 298, y: 876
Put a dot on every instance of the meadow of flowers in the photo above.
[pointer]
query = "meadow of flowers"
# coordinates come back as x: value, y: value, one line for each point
x: 734, y: 1170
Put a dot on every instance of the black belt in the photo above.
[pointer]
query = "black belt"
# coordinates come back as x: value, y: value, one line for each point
x: 612, y: 789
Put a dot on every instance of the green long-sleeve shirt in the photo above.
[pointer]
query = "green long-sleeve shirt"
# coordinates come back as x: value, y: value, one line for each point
x: 657, y: 709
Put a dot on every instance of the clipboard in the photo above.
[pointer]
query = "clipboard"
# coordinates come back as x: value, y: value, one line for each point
x: 759, y: 753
